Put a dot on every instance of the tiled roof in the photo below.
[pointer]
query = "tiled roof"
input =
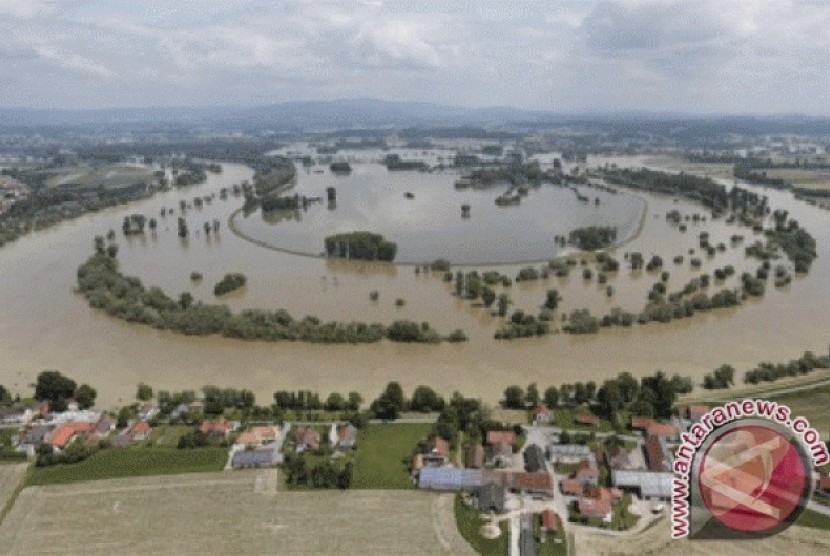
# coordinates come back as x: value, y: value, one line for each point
x: 494, y: 437
x: 551, y: 521
x: 64, y: 433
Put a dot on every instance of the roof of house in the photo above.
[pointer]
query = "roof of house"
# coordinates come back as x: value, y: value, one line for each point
x: 474, y: 456
x: 534, y: 458
x: 257, y: 435
x: 450, y: 478
x: 491, y: 497
x: 306, y: 435
x: 438, y: 446
x: 220, y: 426
x: 541, y: 409
x: 586, y: 419
x: 585, y: 470
x: 503, y: 449
x: 347, y: 432
x: 617, y: 457
x: 551, y: 521
x: 532, y: 481
x: 245, y: 458
x: 571, y: 486
x: 494, y: 437
x: 654, y: 453
x: 66, y: 432
x: 695, y: 412
x: 140, y: 427
x: 571, y: 450
x: 594, y: 507
x: 104, y: 425
x: 641, y: 423
x: 651, y: 484
x: 662, y: 429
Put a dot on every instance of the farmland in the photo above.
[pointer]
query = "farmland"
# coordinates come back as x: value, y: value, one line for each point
x: 110, y: 176
x: 132, y: 462
x: 225, y: 513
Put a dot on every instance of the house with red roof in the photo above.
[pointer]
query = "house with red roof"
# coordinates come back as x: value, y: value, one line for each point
x: 595, y: 508
x: 139, y: 431
x: 641, y: 423
x: 306, y: 439
x: 64, y: 434
x: 586, y: 473
x: 550, y: 523
x: 217, y: 429
x: 258, y: 436
x: 508, y: 437
x: 669, y: 432
x: 571, y: 486
x: 542, y: 415
x: 586, y: 419
x: 437, y: 452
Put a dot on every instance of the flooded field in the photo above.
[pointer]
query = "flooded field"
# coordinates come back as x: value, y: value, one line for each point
x: 44, y: 325
x: 429, y: 224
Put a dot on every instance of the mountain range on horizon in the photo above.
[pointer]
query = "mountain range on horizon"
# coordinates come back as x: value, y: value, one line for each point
x: 344, y: 114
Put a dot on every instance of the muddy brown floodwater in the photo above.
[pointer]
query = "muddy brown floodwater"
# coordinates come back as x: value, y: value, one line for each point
x: 44, y: 325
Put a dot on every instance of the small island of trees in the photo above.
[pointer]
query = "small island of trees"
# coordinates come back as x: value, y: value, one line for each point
x: 364, y: 246
x: 229, y: 283
x: 593, y: 237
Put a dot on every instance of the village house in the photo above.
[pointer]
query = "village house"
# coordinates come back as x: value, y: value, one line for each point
x: 533, y: 484
x: 306, y: 439
x: 65, y: 434
x: 568, y: 453
x: 490, y: 498
x: 595, y: 508
x: 33, y: 438
x: 346, y: 436
x: 147, y: 411
x: 260, y: 457
x: 586, y: 472
x: 550, y: 524
x: 534, y: 459
x: 586, y: 419
x: 16, y: 414
x: 258, y: 436
x: 217, y: 429
x: 474, y: 456
x: 436, y: 452
x: 542, y: 415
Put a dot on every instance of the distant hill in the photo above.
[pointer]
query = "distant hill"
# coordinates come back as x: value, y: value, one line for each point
x: 373, y: 113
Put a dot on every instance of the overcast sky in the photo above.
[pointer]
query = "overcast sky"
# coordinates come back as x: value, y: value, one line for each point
x: 737, y: 56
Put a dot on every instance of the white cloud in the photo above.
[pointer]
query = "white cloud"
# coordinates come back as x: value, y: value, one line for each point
x: 663, y: 55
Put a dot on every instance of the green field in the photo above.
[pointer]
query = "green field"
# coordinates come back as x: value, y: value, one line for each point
x: 132, y: 462
x: 814, y: 520
x: 812, y: 404
x: 383, y: 454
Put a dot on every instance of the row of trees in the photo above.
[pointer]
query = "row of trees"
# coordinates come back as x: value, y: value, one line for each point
x: 365, y: 246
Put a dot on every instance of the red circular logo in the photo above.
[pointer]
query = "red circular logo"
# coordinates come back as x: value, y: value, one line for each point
x: 752, y: 478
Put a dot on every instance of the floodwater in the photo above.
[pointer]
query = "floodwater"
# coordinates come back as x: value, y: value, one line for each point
x: 429, y: 225
x: 44, y: 325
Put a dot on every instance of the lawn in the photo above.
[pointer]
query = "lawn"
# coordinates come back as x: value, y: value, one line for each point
x: 132, y: 462
x: 469, y: 524
x: 383, y: 454
x: 168, y: 435
x: 7, y: 451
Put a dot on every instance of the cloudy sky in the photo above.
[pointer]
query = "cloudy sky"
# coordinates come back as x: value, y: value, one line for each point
x: 737, y: 56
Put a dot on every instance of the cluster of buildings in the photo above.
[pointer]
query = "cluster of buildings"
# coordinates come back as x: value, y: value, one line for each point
x: 57, y: 430
x: 12, y: 192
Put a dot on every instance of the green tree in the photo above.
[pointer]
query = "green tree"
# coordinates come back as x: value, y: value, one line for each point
x: 335, y: 402
x: 355, y: 399
x: 426, y: 399
x: 85, y: 396
x: 532, y: 395
x: 144, y: 392
x: 53, y: 387
x: 488, y: 296
x: 552, y: 396
x: 514, y: 397
x: 390, y: 403
x: 503, y: 303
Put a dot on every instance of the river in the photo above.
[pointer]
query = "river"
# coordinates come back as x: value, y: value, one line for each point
x: 44, y: 325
